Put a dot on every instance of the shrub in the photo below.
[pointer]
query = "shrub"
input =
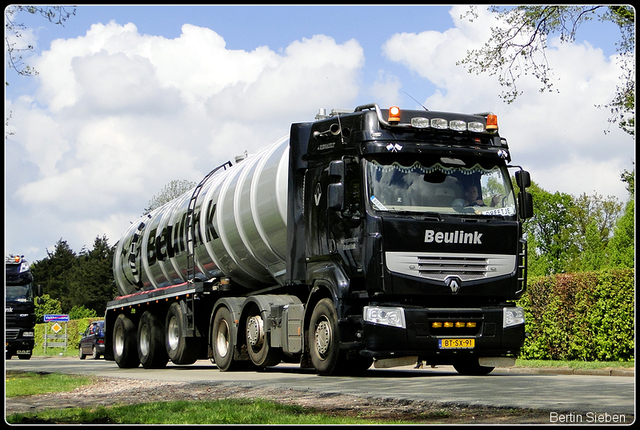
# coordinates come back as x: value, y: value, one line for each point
x: 584, y: 316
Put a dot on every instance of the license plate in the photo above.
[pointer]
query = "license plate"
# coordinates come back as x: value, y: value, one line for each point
x: 457, y: 343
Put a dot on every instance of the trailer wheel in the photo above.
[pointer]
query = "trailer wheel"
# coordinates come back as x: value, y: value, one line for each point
x: 222, y: 341
x: 125, y: 348
x: 471, y: 367
x: 180, y: 349
x: 258, y: 347
x: 324, y: 342
x: 151, y: 349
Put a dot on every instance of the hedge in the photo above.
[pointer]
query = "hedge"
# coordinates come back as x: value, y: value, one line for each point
x: 582, y: 316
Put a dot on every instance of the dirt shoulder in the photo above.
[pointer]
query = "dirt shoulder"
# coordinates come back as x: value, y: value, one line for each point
x: 116, y: 391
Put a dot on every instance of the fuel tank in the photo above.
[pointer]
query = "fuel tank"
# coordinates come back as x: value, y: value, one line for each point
x: 240, y: 219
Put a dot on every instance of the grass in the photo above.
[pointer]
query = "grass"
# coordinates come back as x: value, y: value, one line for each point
x: 31, y: 383
x: 226, y: 411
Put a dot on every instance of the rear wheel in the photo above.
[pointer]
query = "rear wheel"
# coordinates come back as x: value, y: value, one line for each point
x: 125, y: 345
x: 222, y: 341
x: 81, y: 356
x: 258, y: 347
x: 324, y: 340
x: 180, y: 349
x: 151, y: 349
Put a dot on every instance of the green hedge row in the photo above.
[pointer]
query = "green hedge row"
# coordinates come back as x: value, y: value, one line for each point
x: 582, y: 316
x: 74, y: 328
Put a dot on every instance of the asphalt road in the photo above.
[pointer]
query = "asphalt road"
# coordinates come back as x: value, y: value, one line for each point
x: 585, y: 395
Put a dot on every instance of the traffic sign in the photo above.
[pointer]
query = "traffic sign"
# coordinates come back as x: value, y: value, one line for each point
x: 58, y: 318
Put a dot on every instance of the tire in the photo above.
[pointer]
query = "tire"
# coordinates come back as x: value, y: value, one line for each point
x: 324, y: 339
x: 472, y: 368
x: 81, y: 356
x: 222, y: 342
x: 179, y: 349
x: 94, y: 353
x: 151, y: 346
x: 125, y: 345
x: 258, y: 341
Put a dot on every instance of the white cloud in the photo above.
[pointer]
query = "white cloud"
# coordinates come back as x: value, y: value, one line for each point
x: 558, y: 136
x: 119, y: 114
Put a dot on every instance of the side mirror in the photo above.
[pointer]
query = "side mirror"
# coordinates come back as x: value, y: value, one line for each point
x: 38, y: 291
x: 525, y: 204
x: 523, y: 179
x: 335, y: 196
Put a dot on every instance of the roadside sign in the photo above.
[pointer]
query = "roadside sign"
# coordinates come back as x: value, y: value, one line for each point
x: 58, y: 318
x: 56, y: 327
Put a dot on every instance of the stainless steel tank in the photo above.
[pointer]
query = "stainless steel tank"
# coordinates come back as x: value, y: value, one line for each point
x: 241, y: 230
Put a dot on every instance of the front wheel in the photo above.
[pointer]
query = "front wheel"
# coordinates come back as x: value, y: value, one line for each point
x: 324, y: 339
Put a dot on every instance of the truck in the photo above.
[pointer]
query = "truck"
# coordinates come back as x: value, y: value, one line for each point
x: 20, y: 316
x: 344, y: 244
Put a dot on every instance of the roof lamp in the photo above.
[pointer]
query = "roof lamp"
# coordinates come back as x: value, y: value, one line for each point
x: 439, y: 123
x: 457, y: 125
x: 476, y: 127
x: 492, y: 122
x: 419, y: 122
x: 394, y: 114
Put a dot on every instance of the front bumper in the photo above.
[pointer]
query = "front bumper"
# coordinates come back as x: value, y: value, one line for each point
x: 477, y: 332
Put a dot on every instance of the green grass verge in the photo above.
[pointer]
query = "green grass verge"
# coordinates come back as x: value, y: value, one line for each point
x: 229, y: 411
x: 31, y: 383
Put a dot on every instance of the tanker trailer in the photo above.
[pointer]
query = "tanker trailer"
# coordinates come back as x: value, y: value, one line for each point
x: 339, y: 246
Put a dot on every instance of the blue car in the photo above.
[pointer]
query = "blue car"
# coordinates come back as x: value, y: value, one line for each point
x: 92, y: 341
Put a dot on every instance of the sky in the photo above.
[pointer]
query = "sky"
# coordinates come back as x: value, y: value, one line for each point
x: 130, y: 98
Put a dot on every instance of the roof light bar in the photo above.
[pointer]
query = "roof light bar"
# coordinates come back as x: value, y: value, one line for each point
x: 455, y: 125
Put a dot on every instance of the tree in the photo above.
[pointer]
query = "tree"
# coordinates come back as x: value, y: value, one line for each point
x: 620, y: 250
x: 53, y: 272
x: 47, y: 306
x: 553, y: 230
x: 170, y: 191
x: 519, y: 45
x: 91, y: 283
x: 14, y: 32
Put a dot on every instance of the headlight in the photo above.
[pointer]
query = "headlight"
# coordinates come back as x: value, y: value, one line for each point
x: 27, y: 334
x: 385, y: 316
x: 512, y: 316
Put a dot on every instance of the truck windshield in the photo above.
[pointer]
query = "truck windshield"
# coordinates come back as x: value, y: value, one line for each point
x: 19, y: 293
x: 443, y: 185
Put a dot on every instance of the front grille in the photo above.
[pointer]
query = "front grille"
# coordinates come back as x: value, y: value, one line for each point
x: 438, y: 268
x: 12, y: 333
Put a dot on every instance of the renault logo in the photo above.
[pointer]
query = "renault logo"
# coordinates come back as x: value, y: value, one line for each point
x: 454, y: 283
